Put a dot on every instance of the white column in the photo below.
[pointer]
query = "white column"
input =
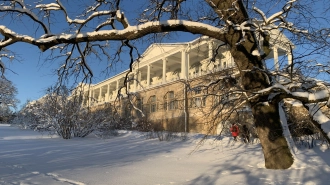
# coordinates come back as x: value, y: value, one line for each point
x: 148, y: 76
x: 89, y: 97
x: 210, y: 49
x: 83, y: 99
x: 164, y: 69
x: 188, y: 64
x: 111, y: 92
x: 135, y: 78
x: 100, y: 95
x: 93, y: 96
x: 127, y: 84
x: 275, y: 52
x: 217, y: 63
x: 289, y: 58
x: 108, y: 92
x: 184, y: 64
x: 139, y: 79
x: 232, y: 63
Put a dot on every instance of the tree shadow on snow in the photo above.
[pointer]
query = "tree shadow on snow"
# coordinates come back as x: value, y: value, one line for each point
x: 247, y: 167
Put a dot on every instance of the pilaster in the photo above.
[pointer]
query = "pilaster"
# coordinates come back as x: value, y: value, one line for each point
x: 164, y: 70
x: 184, y: 64
x: 148, y: 76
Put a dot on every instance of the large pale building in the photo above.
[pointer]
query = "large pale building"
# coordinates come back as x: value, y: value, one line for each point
x: 164, y: 85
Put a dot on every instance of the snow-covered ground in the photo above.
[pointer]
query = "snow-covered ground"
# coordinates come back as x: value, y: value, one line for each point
x: 29, y: 158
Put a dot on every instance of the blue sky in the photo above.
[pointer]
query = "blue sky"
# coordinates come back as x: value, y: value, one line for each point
x: 29, y: 75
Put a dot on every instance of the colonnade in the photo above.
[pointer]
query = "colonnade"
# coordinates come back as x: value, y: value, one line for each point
x: 183, y: 61
x: 276, y: 55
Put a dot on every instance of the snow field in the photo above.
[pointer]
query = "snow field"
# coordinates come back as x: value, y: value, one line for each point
x: 30, y: 158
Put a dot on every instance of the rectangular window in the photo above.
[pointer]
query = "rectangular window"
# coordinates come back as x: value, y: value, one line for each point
x: 171, y: 95
x: 173, y: 105
x: 153, y: 107
x: 199, y: 101
x: 169, y: 101
x: 204, y: 101
x: 165, y: 103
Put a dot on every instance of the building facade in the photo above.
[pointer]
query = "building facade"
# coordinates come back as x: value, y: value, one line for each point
x: 165, y: 85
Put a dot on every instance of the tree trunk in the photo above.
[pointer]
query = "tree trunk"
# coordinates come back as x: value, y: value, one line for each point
x: 267, y: 119
x: 274, y: 145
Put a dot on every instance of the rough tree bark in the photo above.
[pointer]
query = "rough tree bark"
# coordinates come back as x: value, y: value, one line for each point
x: 266, y: 116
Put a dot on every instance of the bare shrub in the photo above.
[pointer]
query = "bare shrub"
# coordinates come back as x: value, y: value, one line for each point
x: 61, y: 114
x: 143, y: 125
x: 172, y: 132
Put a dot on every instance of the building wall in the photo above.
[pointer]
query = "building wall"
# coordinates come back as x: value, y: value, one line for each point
x: 168, y: 110
x: 157, y: 85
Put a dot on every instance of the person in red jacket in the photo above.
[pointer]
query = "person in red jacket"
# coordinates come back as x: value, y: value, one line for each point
x: 234, y: 131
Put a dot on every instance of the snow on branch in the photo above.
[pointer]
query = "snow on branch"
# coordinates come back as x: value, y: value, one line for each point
x: 277, y: 87
x: 304, y: 96
x: 83, y: 21
x: 318, y: 116
x: 130, y: 32
x: 12, y: 37
x: 114, y: 14
x: 24, y: 10
x: 321, y: 95
x: 50, y: 6
x: 278, y: 17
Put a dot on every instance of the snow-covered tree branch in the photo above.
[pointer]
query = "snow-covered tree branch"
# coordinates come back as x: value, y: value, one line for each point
x: 130, y: 32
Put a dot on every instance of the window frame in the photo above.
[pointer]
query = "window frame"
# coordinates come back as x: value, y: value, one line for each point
x: 170, y: 102
x: 153, y: 104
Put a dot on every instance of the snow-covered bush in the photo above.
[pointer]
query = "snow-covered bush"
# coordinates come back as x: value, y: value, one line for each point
x: 64, y: 115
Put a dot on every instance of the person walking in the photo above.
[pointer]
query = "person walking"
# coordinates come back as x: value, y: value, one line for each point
x: 245, y: 134
x: 234, y: 131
